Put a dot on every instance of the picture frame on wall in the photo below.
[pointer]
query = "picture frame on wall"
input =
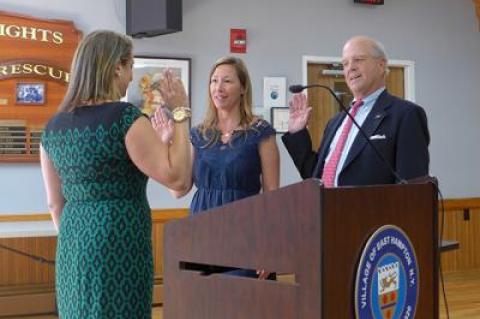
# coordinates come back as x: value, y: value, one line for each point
x: 274, y: 91
x: 147, y: 71
x: 31, y: 93
x: 279, y: 119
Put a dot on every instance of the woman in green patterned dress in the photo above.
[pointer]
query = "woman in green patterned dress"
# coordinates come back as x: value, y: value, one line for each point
x: 96, y: 156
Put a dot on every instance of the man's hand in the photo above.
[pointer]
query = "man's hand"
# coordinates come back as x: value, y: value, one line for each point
x: 298, y: 113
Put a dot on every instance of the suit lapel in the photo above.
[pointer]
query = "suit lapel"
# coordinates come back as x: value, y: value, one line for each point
x: 369, y: 126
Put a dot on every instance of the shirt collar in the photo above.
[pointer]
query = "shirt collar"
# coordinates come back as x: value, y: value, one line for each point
x: 372, y: 97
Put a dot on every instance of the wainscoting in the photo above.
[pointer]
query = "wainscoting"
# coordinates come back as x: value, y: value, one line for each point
x: 462, y: 223
x: 27, y: 287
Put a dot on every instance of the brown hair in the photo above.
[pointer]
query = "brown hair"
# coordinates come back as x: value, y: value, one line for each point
x: 93, y: 69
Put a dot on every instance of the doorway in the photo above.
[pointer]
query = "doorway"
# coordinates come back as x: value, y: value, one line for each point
x: 328, y: 72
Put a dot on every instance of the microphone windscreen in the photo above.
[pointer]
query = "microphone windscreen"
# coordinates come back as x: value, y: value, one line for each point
x: 296, y: 88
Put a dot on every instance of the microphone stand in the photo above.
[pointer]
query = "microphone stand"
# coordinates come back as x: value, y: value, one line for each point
x: 299, y: 88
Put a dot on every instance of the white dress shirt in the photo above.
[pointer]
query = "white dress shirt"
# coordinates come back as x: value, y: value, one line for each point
x: 360, y: 117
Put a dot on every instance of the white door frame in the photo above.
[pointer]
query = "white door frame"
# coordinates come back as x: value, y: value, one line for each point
x: 408, y: 66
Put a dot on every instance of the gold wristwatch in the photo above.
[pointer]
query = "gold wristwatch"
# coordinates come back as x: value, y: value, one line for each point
x: 181, y: 113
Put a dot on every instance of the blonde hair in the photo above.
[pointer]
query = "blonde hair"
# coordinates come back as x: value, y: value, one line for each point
x: 208, y: 128
x: 93, y: 69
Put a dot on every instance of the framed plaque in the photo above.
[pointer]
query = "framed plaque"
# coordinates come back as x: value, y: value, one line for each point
x: 35, y: 59
x: 279, y: 119
x: 274, y: 91
x: 30, y: 93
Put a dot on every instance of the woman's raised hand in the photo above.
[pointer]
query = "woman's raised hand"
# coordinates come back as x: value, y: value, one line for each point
x: 163, y: 125
x: 172, y: 90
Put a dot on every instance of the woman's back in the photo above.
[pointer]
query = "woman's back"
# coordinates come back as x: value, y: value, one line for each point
x: 104, y: 242
x: 87, y: 147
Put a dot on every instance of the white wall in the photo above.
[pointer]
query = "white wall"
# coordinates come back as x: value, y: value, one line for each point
x: 441, y: 36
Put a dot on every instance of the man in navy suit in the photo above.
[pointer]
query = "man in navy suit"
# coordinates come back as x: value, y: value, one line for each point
x: 396, y: 127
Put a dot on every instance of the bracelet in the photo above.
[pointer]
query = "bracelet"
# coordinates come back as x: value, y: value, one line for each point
x: 181, y: 113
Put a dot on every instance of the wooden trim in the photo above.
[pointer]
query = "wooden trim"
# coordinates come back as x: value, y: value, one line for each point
x: 476, y: 4
x: 157, y: 296
x: 21, y: 300
x: 461, y: 203
x: 165, y: 215
x: 27, y: 300
x: 41, y: 300
x: 158, y: 216
x: 24, y: 218
x: 36, y: 299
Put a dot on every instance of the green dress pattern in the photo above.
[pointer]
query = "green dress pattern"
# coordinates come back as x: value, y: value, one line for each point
x: 104, y: 266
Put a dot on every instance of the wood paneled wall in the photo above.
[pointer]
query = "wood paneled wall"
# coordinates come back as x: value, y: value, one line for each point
x: 16, y: 270
x: 462, y: 223
x: 28, y: 287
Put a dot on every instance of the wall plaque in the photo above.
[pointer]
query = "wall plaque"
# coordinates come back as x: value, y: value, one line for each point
x: 34, y: 72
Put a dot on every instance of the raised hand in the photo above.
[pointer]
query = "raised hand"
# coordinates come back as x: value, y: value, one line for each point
x: 298, y: 113
x: 262, y: 274
x: 163, y: 125
x: 172, y: 90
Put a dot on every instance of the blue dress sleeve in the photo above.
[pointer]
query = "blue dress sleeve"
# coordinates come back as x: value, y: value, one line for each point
x: 263, y: 130
x: 195, y: 137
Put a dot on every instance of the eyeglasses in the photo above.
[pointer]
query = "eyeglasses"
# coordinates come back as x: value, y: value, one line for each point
x: 356, y: 60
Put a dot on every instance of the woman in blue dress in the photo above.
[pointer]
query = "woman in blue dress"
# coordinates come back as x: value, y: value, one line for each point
x: 235, y: 154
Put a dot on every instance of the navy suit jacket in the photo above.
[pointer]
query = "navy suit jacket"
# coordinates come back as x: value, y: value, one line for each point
x: 397, y: 128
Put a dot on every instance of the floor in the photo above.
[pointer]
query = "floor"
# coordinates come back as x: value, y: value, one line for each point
x: 463, y: 293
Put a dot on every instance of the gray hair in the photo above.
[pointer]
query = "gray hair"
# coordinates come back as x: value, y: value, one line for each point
x: 378, y: 50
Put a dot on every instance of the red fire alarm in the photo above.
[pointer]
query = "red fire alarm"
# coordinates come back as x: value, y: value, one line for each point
x: 238, y: 40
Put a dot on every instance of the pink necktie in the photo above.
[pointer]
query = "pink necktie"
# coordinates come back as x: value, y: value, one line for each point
x: 328, y: 175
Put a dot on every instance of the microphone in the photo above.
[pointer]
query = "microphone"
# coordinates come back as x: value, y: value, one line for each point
x: 299, y: 88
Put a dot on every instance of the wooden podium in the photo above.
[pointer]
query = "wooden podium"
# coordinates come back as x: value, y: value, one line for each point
x: 314, y: 234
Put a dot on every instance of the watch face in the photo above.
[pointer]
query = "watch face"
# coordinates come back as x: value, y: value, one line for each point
x: 179, y: 115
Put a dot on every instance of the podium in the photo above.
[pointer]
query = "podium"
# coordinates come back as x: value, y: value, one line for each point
x: 313, y: 235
